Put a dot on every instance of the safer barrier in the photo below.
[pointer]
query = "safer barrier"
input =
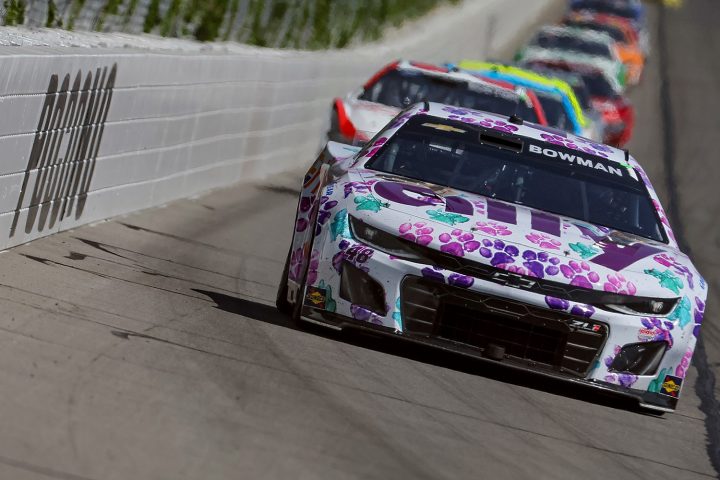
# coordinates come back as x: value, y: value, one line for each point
x: 94, y: 126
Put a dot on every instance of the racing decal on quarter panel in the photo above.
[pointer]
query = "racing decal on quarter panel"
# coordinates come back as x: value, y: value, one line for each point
x: 671, y: 386
x: 315, y: 297
x: 311, y: 176
x: 501, y: 212
x: 546, y: 223
x: 65, y: 148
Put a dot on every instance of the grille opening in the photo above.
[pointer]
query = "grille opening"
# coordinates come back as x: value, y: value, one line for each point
x: 537, y: 337
x: 520, y: 339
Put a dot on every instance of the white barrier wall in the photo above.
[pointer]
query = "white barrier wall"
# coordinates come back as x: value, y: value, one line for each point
x: 105, y: 125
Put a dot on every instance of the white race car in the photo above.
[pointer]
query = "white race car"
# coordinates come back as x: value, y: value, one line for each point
x: 495, y: 238
x: 579, y: 46
x: 359, y: 115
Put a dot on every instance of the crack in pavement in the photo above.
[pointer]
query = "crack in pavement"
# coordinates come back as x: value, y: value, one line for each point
x: 48, y: 472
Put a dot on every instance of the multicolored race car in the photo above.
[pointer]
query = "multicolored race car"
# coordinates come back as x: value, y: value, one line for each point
x: 360, y: 114
x: 616, y: 109
x: 498, y: 239
x: 632, y: 11
x: 582, y: 93
x: 558, y: 99
x: 622, y: 32
x: 578, y: 46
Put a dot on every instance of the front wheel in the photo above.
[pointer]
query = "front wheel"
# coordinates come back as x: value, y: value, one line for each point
x: 281, y: 302
x: 291, y: 309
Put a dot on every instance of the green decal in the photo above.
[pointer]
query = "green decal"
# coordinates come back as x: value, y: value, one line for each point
x: 681, y: 312
x: 340, y: 226
x: 369, y: 202
x: 330, y: 303
x: 445, y: 217
x: 397, y: 316
x: 656, y: 384
x: 585, y: 251
x: 667, y: 279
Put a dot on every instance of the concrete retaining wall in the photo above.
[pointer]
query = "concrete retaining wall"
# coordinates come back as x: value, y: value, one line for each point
x: 109, y: 124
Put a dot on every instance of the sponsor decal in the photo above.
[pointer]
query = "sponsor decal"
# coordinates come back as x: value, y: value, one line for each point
x: 648, y: 334
x: 444, y: 128
x: 513, y: 280
x: 315, y: 297
x: 671, y: 386
x: 587, y: 326
x: 577, y: 159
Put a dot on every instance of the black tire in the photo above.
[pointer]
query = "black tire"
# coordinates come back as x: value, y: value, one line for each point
x: 281, y: 302
x: 292, y: 309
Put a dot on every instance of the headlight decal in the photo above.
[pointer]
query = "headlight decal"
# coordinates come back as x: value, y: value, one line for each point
x: 381, y: 240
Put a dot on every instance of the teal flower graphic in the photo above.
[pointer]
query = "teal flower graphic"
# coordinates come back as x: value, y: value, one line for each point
x: 340, y: 225
x: 397, y: 316
x: 681, y: 312
x: 667, y: 279
x: 370, y: 203
x: 445, y: 217
x: 656, y: 384
x: 330, y: 303
x: 585, y: 251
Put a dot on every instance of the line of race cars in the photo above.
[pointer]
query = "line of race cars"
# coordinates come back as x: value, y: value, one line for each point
x: 483, y: 208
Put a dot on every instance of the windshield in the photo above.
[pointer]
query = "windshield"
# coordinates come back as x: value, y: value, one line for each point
x: 403, y: 88
x: 614, y: 32
x: 571, y: 43
x: 554, y: 111
x: 576, y: 82
x: 598, y: 85
x: 523, y: 172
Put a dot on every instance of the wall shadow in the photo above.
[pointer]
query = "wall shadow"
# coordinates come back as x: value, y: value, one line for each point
x: 64, y: 152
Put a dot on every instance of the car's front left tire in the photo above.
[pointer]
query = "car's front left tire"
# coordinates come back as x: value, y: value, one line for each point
x: 281, y: 302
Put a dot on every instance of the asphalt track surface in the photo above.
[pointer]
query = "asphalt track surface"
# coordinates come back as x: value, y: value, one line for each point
x: 148, y: 346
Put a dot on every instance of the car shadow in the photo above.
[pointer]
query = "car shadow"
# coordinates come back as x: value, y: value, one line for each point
x: 427, y: 354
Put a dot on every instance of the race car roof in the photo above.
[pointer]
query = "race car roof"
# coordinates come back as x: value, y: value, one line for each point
x: 474, y: 83
x: 530, y: 79
x: 580, y: 33
x: 548, y: 136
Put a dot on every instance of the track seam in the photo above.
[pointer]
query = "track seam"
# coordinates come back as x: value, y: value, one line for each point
x: 705, y: 385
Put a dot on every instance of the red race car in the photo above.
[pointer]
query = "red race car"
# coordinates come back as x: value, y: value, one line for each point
x: 616, y: 109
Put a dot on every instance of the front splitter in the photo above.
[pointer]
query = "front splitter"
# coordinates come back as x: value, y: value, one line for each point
x: 647, y: 400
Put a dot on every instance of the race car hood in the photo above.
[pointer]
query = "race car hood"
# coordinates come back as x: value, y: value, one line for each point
x: 368, y: 117
x: 517, y: 238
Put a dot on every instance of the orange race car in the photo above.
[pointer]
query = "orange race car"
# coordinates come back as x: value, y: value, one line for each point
x: 624, y: 34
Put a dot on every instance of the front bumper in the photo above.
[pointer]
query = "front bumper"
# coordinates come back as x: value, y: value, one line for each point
x: 645, y: 399
x: 576, y: 343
